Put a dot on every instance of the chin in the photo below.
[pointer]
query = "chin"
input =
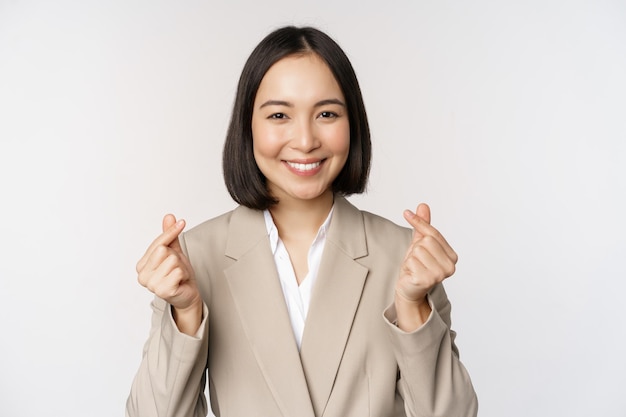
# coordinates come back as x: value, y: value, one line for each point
x: 308, y: 195
x: 302, y: 193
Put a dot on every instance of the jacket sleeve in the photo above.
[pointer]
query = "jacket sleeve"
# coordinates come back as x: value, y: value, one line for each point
x: 432, y: 381
x: 171, y: 378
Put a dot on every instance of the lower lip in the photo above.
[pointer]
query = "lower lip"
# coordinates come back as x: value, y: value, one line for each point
x: 307, y: 173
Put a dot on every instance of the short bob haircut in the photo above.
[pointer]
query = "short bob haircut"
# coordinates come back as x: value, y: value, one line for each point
x: 244, y: 180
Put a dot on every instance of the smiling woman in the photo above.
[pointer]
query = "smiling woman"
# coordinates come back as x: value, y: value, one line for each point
x: 300, y: 130
x: 296, y: 302
x: 244, y: 181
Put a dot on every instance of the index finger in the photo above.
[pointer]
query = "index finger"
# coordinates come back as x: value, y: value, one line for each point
x: 169, y: 220
x: 422, y: 212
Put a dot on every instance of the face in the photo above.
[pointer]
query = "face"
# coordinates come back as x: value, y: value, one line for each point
x: 300, y: 128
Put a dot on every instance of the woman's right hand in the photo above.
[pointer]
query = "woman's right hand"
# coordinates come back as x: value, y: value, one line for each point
x: 166, y: 271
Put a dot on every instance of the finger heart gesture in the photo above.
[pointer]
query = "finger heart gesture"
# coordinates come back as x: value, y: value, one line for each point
x: 428, y: 261
x: 165, y: 270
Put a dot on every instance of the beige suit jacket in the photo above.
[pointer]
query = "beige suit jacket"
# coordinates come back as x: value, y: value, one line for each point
x: 353, y: 360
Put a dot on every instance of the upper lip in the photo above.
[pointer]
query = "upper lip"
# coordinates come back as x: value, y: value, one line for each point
x: 305, y: 161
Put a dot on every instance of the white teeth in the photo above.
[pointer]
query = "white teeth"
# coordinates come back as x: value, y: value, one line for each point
x: 303, y: 167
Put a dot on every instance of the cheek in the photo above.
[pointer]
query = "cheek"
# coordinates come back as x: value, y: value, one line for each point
x: 341, y: 142
x: 261, y: 140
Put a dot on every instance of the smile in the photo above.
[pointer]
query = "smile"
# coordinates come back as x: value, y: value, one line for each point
x: 304, y: 167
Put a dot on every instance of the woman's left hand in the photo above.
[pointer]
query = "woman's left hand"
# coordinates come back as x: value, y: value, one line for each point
x: 428, y: 261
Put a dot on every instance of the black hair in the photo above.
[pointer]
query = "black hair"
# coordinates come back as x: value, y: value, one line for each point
x: 244, y: 180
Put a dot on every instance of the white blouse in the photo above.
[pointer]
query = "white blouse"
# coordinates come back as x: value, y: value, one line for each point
x: 297, y: 297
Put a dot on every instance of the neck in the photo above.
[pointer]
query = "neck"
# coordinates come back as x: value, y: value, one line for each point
x: 297, y: 217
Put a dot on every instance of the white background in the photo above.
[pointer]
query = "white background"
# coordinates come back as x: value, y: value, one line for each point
x: 509, y: 118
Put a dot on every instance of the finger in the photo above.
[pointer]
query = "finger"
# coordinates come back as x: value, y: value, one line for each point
x: 434, y: 257
x: 423, y: 271
x: 161, y: 255
x: 168, y: 221
x: 148, y: 268
x: 171, y: 231
x: 177, y: 287
x: 418, y: 224
x: 175, y: 244
x: 166, y: 286
x: 169, y: 236
x: 170, y: 264
x: 422, y: 228
x: 157, y: 274
x: 423, y: 212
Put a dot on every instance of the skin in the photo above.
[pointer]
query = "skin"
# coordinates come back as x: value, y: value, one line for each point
x: 167, y: 273
x: 301, y: 138
x: 428, y: 261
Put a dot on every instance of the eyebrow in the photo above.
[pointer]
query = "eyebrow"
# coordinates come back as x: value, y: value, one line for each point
x: 288, y: 104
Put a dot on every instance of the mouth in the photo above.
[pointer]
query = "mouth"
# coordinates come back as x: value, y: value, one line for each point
x: 304, y: 167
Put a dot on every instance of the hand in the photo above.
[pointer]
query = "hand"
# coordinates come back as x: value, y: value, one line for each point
x: 428, y: 261
x: 165, y: 270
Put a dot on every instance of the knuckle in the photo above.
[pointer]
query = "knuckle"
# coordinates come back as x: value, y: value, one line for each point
x: 454, y: 257
x: 428, y: 239
x: 160, y: 251
x: 142, y: 280
x: 417, y: 250
x: 172, y: 261
x: 168, y: 292
x: 151, y: 286
x: 162, y: 291
x: 178, y: 274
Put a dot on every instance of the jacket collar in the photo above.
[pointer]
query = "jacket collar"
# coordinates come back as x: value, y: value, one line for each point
x: 247, y: 228
x: 301, y: 382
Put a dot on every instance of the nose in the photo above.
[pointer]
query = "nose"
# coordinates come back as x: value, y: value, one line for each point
x: 304, y: 137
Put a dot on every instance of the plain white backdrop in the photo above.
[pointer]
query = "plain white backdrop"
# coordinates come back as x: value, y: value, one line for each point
x: 509, y: 118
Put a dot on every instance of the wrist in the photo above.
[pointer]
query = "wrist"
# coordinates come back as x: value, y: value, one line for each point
x: 411, y: 314
x: 188, y: 319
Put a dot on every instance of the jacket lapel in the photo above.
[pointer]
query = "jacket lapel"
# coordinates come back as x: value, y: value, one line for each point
x: 253, y: 281
x: 335, y: 299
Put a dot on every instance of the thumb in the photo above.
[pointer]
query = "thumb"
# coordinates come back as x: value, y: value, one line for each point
x: 417, y: 220
x: 423, y: 211
x: 169, y: 221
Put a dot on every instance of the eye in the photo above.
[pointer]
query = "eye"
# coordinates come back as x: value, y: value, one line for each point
x: 277, y: 116
x: 328, y: 115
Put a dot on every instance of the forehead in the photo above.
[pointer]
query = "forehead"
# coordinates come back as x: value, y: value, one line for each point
x: 299, y: 78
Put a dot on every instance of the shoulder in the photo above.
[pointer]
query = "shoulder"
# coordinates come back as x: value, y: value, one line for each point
x: 379, y: 231
x: 236, y: 229
x: 385, y: 233
x: 212, y: 227
x: 374, y: 224
x: 378, y: 223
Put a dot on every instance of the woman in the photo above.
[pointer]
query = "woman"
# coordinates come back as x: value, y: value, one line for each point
x: 234, y: 293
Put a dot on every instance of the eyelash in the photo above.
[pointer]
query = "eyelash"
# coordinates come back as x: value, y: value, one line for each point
x: 328, y: 114
x: 324, y: 115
